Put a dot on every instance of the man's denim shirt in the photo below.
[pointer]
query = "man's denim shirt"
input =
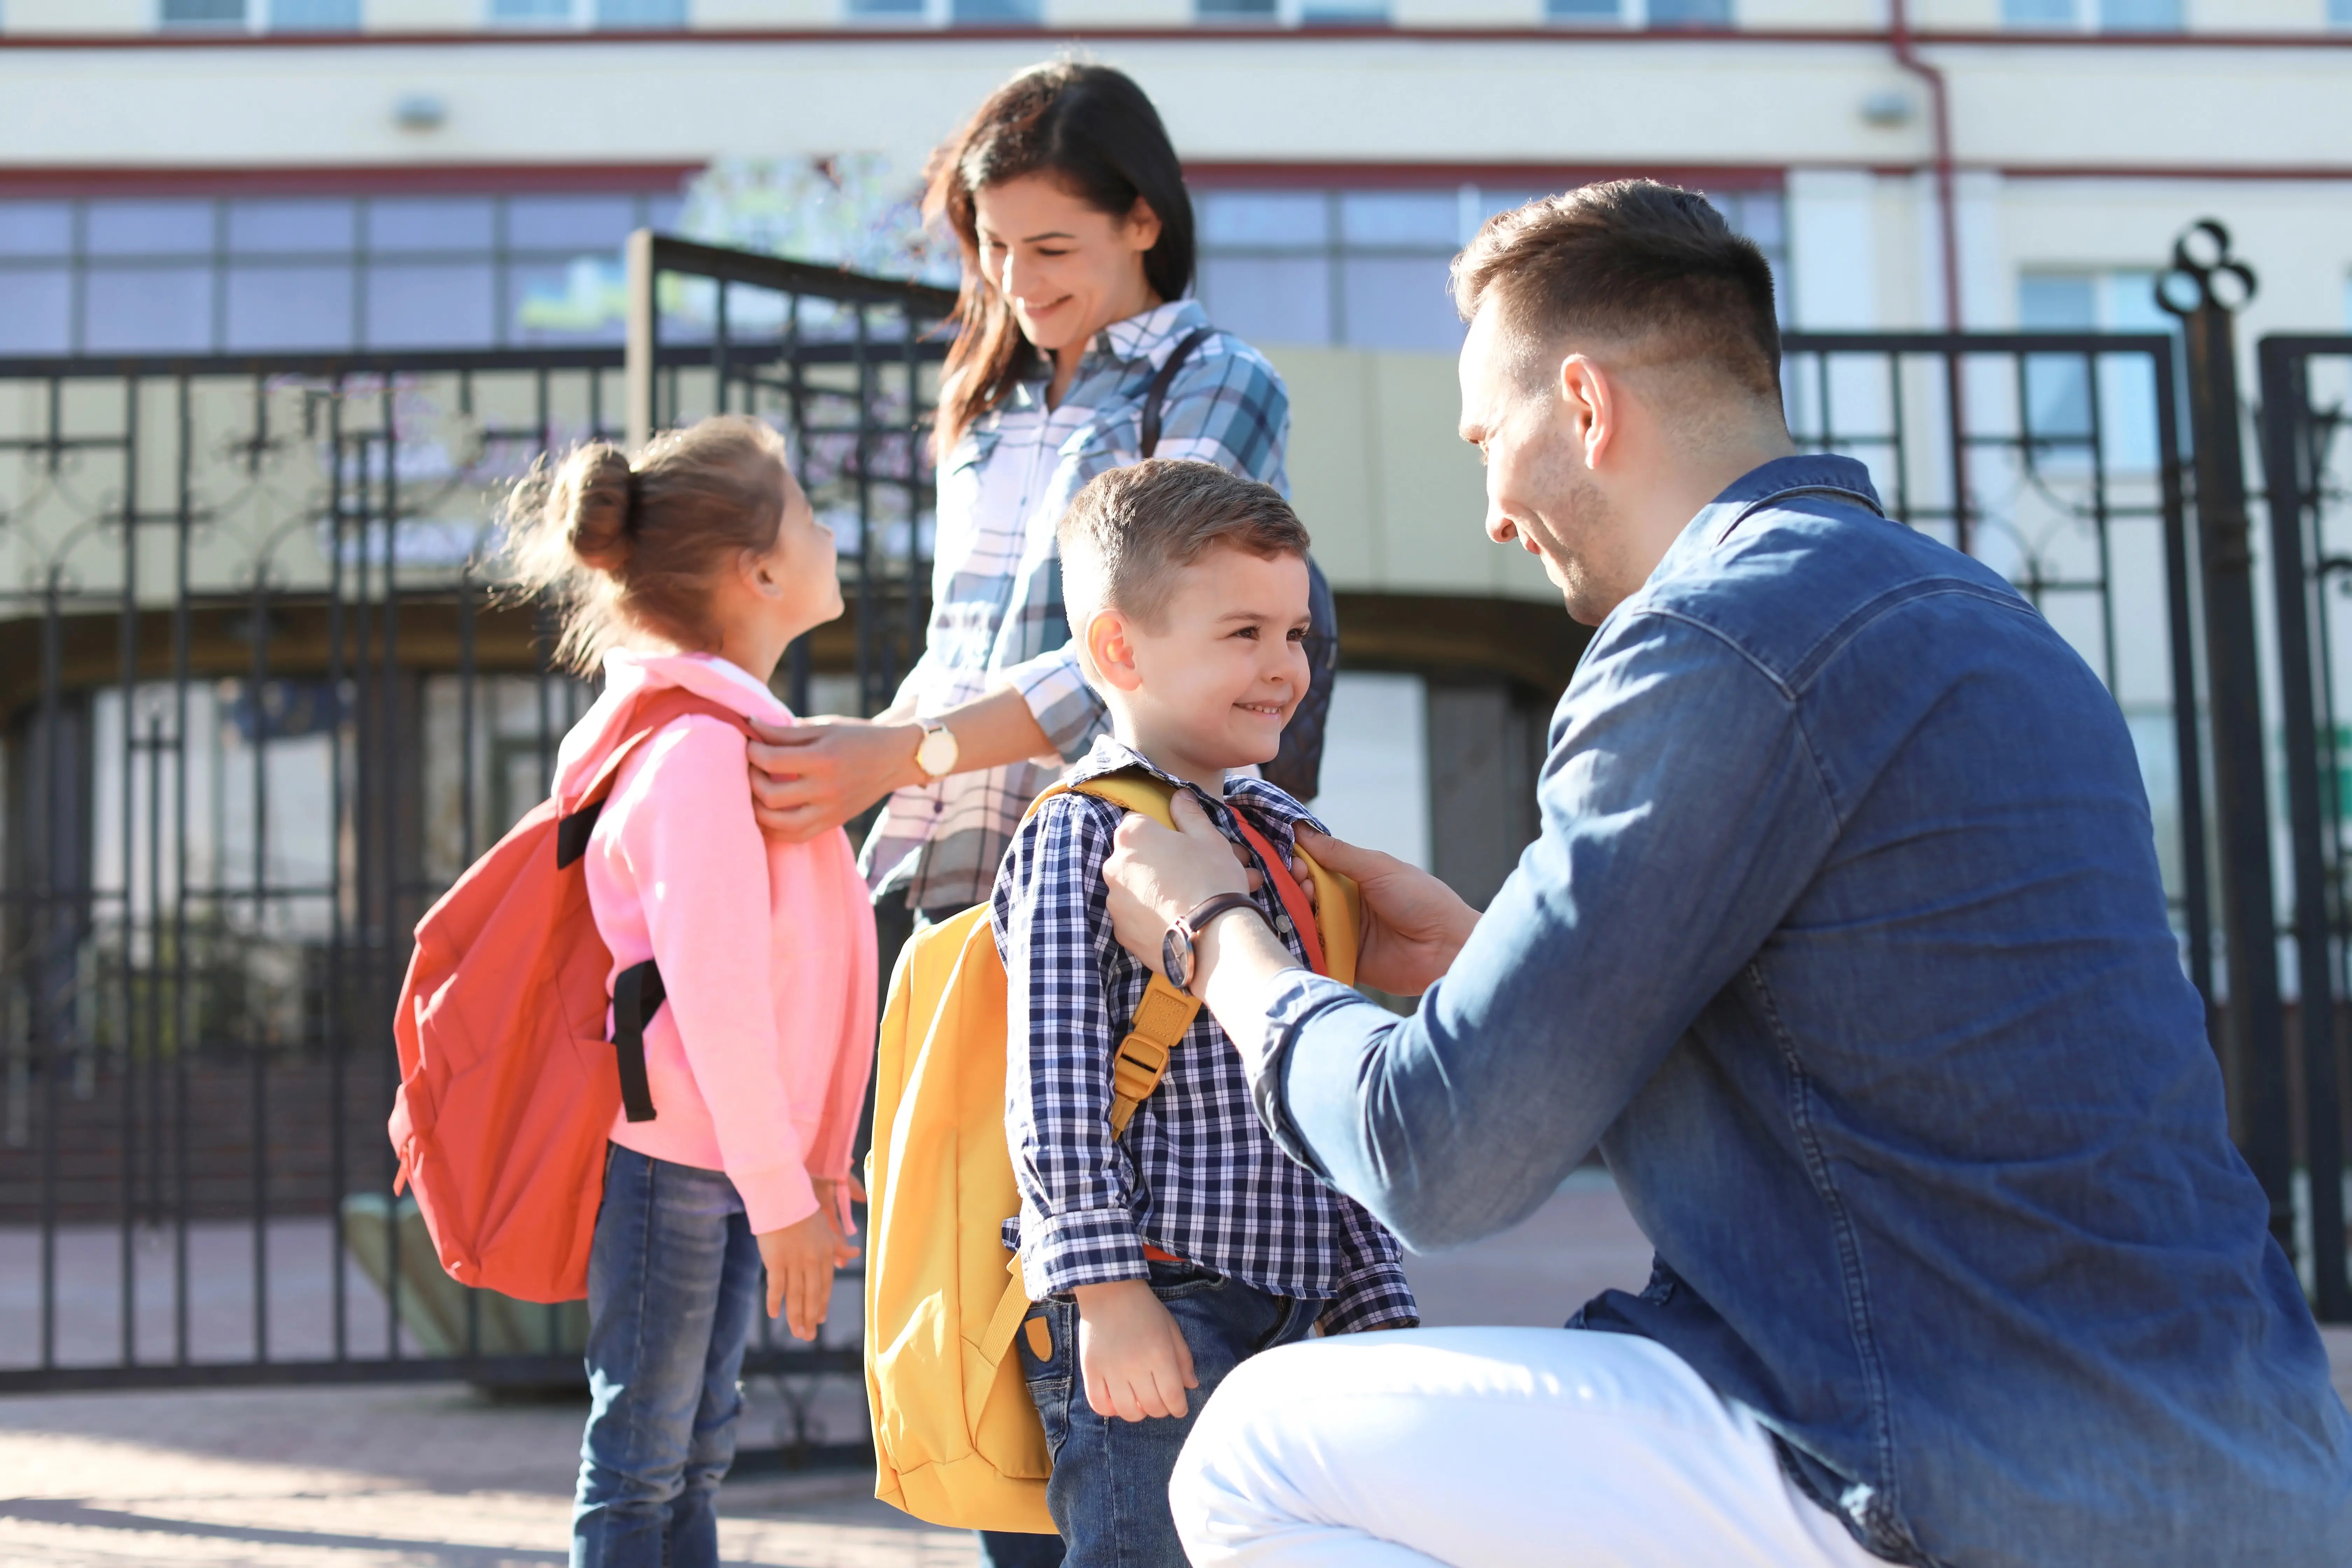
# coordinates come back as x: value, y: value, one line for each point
x: 1845, y: 942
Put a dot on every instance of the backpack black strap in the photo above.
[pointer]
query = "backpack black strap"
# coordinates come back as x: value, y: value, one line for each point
x: 1154, y: 395
x: 637, y: 995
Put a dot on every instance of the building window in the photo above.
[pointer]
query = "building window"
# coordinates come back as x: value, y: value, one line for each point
x: 204, y: 13
x: 946, y: 13
x: 314, y: 15
x: 993, y: 13
x: 1295, y: 12
x: 1370, y: 268
x: 2060, y: 388
x: 316, y: 274
x: 641, y: 14
x: 621, y: 14
x: 1664, y: 15
x: 2098, y: 16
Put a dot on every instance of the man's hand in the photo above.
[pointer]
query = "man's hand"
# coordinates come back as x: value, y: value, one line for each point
x: 1131, y: 1352
x: 1157, y: 876
x: 800, y: 1261
x: 1413, y: 923
x: 811, y: 777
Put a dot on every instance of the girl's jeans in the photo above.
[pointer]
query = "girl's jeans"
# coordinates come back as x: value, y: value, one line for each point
x: 1108, y: 1493
x: 673, y: 1281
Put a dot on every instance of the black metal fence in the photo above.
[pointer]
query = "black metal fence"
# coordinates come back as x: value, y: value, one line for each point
x: 259, y: 702
x: 262, y: 701
x: 2306, y: 409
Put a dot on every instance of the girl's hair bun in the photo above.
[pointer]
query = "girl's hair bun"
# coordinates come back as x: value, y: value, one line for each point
x: 594, y: 503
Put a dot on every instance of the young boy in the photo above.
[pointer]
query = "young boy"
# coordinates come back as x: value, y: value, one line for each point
x: 1160, y: 1260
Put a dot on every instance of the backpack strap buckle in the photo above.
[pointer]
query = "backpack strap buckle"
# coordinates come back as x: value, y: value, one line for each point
x: 1161, y: 1020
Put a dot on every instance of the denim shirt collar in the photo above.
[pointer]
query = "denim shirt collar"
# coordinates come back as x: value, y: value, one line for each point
x: 1814, y: 473
x: 1272, y: 810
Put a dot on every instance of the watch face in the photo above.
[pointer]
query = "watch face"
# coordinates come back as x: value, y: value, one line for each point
x: 1176, y: 958
x: 937, y: 753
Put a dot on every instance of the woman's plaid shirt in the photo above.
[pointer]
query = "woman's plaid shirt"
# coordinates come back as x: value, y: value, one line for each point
x: 1196, y: 1175
x: 996, y: 604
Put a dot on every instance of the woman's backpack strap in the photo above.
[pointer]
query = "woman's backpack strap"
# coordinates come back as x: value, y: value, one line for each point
x: 1156, y: 395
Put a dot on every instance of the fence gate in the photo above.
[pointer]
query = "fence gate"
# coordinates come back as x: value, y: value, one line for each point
x: 2306, y: 410
x: 259, y: 703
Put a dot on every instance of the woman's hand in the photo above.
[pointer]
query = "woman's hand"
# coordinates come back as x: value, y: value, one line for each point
x: 799, y: 1259
x: 811, y: 777
x: 1157, y: 878
x: 1413, y: 923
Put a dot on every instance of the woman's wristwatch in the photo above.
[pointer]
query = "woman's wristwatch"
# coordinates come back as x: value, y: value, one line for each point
x: 1176, y: 954
x: 937, y: 752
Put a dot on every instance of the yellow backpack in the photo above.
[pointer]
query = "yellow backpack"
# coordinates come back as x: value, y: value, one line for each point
x: 956, y: 1439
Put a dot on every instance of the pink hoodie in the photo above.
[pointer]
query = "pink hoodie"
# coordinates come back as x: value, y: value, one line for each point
x: 758, y: 1058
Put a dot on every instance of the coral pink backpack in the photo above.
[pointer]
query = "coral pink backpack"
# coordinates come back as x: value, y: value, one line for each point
x: 508, y: 1086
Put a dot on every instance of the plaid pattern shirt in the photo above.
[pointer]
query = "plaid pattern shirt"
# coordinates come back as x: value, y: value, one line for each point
x: 997, y: 617
x: 1197, y: 1175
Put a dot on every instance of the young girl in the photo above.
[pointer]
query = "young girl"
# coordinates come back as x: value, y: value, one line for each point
x: 695, y: 567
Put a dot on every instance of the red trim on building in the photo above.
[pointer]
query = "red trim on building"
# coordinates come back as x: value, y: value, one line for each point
x: 2184, y: 171
x: 2020, y: 38
x: 1229, y: 176
x: 347, y: 180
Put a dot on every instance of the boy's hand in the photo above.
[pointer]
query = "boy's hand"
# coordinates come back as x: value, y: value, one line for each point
x: 1131, y: 1352
x: 799, y: 1259
x: 832, y: 1197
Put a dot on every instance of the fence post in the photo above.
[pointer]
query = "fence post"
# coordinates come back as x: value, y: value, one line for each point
x: 2286, y: 484
x: 2254, y: 1056
x: 637, y: 348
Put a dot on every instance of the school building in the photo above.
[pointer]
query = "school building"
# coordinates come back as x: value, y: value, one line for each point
x: 225, y: 176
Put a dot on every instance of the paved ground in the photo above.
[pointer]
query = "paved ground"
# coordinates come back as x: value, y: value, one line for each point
x: 432, y: 1476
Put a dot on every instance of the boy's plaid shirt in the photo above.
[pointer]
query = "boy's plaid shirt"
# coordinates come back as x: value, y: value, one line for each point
x: 1196, y: 1175
x: 996, y: 603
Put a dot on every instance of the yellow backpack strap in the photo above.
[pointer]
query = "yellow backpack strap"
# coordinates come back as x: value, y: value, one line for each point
x: 1165, y: 1013
x: 1161, y: 1020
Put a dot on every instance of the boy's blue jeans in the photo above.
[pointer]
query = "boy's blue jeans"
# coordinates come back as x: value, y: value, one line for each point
x: 673, y: 1281
x: 1108, y: 1493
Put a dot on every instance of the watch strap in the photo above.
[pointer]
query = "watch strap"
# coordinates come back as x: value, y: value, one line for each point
x: 1224, y: 903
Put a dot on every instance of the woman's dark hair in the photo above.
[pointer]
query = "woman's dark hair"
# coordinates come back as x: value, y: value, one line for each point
x: 1093, y: 130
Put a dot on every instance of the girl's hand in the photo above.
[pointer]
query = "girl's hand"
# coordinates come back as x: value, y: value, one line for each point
x: 800, y: 1261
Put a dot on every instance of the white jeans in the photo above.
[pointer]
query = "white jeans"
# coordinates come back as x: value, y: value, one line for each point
x: 1488, y: 1448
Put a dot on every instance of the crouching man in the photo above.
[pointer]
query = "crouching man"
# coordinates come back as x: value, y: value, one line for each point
x: 1844, y: 942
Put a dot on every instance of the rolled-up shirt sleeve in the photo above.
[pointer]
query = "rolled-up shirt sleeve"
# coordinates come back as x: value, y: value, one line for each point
x: 1683, y: 812
x: 1059, y: 698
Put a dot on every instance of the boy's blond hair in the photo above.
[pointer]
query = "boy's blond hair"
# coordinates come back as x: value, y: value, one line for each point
x: 1131, y: 531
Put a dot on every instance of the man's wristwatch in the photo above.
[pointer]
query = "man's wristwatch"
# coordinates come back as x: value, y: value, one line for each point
x: 936, y: 752
x: 1176, y: 947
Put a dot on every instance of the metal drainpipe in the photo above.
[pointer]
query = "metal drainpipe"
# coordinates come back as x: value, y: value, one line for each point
x: 1948, y: 215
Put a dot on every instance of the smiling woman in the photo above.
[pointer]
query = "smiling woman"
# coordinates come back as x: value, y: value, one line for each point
x: 1077, y: 352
